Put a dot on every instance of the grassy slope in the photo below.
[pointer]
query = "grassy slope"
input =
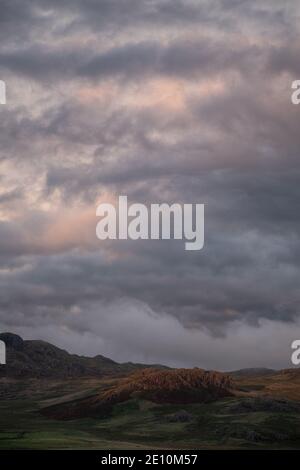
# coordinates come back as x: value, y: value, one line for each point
x: 138, y: 424
x: 141, y: 425
x: 281, y: 385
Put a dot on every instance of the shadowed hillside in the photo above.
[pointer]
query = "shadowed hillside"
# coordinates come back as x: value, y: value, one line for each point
x: 39, y: 359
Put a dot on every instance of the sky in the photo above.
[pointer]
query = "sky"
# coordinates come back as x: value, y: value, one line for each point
x: 163, y: 101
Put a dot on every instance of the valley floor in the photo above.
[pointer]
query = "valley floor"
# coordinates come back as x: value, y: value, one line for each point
x: 232, y: 423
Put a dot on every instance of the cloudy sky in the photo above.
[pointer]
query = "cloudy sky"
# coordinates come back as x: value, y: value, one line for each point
x: 184, y: 101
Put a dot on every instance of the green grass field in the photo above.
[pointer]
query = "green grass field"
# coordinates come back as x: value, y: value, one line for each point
x: 143, y: 425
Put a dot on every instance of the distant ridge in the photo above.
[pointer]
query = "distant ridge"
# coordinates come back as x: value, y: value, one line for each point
x: 252, y: 372
x: 39, y: 359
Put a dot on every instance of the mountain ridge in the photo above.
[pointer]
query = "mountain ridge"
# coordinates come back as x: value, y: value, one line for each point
x: 40, y: 359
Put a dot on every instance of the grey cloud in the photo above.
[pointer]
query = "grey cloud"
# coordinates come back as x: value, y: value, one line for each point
x: 185, y: 58
x: 236, y: 151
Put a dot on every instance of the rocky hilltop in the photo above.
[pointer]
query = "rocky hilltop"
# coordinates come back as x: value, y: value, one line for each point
x: 172, y: 386
x: 176, y: 386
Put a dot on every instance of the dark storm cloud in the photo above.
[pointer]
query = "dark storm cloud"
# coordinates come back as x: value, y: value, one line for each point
x: 41, y: 63
x: 285, y: 59
x: 248, y: 236
x: 16, y: 21
x: 110, y: 15
x: 179, y: 59
x: 130, y: 61
x: 226, y: 283
x: 259, y: 133
x: 25, y: 19
x: 186, y: 59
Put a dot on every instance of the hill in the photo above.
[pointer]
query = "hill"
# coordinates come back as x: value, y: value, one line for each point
x: 177, y: 386
x: 39, y: 359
